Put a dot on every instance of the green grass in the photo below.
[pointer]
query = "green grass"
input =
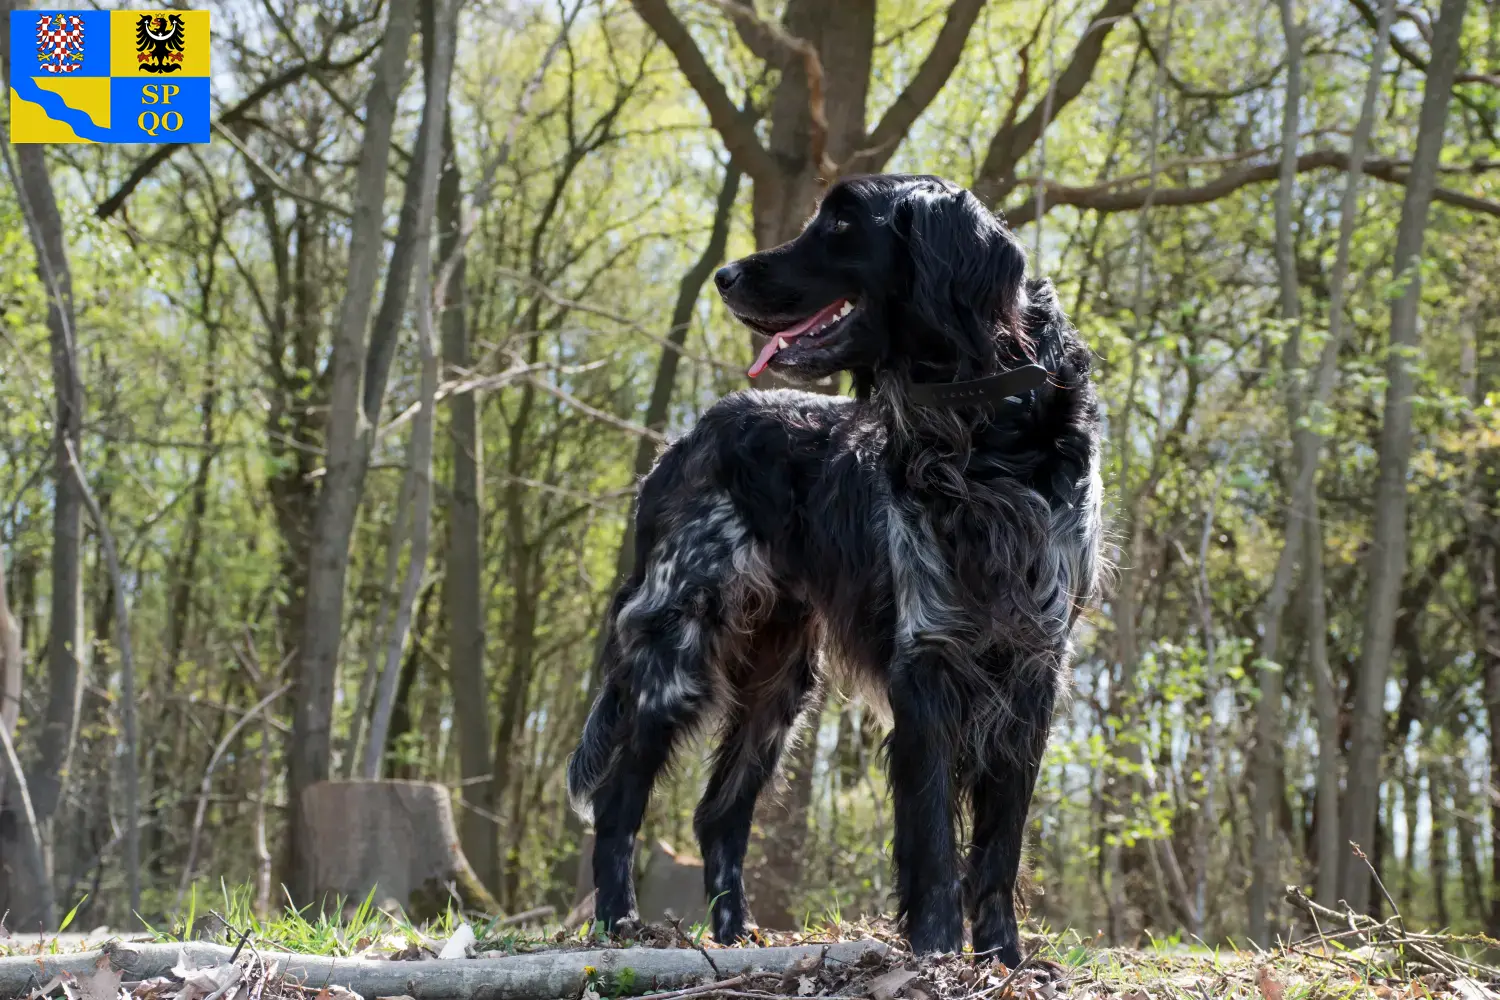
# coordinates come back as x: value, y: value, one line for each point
x: 331, y: 934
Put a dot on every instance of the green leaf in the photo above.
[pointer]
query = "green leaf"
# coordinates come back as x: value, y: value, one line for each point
x: 71, y: 914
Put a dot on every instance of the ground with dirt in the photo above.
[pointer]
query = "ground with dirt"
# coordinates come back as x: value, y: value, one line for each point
x: 1350, y: 957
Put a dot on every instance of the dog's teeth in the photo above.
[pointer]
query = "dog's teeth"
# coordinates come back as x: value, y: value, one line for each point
x: 845, y: 309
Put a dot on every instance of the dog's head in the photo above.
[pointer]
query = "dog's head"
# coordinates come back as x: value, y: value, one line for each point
x: 895, y: 272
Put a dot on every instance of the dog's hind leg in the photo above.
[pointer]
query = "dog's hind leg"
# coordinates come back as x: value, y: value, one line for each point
x: 922, y: 747
x: 1001, y: 785
x: 647, y: 734
x: 781, y: 672
x: 670, y: 636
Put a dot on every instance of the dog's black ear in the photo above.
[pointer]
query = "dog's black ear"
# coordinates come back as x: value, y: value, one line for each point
x: 967, y: 268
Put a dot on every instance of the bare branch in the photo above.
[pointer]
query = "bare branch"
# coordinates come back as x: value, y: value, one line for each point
x: 592, y: 411
x: 1417, y: 60
x: 109, y: 206
x: 270, y: 177
x: 208, y: 774
x: 1104, y: 198
x: 942, y: 60
x: 735, y: 128
x: 812, y: 67
x: 996, y: 176
x: 1188, y: 90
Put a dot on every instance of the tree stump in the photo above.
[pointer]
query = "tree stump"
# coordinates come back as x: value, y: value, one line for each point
x: 665, y: 882
x: 396, y: 837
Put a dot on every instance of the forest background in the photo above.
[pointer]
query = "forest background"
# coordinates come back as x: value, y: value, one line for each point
x: 318, y: 443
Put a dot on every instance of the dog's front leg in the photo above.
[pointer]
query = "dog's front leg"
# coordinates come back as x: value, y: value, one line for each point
x: 1010, y: 760
x: 926, y: 712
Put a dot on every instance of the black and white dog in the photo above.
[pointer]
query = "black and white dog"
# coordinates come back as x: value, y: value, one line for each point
x: 935, y: 537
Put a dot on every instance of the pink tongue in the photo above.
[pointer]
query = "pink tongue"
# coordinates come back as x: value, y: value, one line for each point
x: 778, y: 340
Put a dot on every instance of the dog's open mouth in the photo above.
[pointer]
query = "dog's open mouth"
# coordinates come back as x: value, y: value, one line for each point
x: 818, y: 324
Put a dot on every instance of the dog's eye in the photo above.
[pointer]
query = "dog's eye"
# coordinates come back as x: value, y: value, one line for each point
x: 839, y: 226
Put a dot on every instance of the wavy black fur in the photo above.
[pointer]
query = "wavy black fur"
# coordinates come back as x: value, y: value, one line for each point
x: 941, y: 556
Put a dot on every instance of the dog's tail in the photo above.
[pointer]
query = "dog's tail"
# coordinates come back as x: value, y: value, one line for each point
x: 599, y: 745
x: 596, y: 751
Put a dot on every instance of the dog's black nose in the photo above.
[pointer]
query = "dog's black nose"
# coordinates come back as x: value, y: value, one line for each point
x: 726, y: 276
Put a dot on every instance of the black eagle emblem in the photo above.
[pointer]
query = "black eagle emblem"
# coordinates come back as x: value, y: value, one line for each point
x: 158, y: 42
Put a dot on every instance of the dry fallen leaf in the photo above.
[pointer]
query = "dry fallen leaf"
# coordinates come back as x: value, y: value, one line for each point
x: 805, y: 986
x: 801, y: 968
x: 205, y: 984
x: 1469, y: 989
x: 104, y: 984
x: 887, y: 986
x: 1270, y: 987
x: 147, y: 989
x: 1136, y: 995
x: 47, y: 989
x: 458, y: 944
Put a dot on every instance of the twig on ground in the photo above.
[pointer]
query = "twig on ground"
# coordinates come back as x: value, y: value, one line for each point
x: 1433, y: 950
x: 536, y: 913
x: 1358, y: 853
x: 696, y: 943
x: 694, y: 991
x: 1010, y: 977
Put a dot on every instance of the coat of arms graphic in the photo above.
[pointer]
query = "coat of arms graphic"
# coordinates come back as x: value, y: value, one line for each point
x: 59, y: 42
x: 158, y: 42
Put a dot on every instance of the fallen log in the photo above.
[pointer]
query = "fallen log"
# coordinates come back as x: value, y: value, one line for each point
x: 547, y: 975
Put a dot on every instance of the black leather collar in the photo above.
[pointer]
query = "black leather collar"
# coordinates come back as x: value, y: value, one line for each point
x: 979, y: 391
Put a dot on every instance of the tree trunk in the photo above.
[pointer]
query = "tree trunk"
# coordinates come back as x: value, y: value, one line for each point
x: 1466, y: 830
x: 10, y: 670
x: 294, y: 422
x: 402, y: 717
x: 348, y: 438
x: 439, y: 28
x: 1437, y: 808
x: 1120, y: 786
x: 187, y: 564
x: 127, y: 685
x: 1411, y: 788
x: 59, y: 728
x: 1386, y: 562
x: 1484, y: 570
x: 782, y: 821
x: 1326, y: 710
x: 1267, y: 778
x: 520, y: 555
x: 843, y: 32
x: 22, y: 863
x: 1307, y: 452
x: 463, y: 592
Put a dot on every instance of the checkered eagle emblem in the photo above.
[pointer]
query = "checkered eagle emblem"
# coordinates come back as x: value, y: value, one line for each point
x: 59, y: 42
